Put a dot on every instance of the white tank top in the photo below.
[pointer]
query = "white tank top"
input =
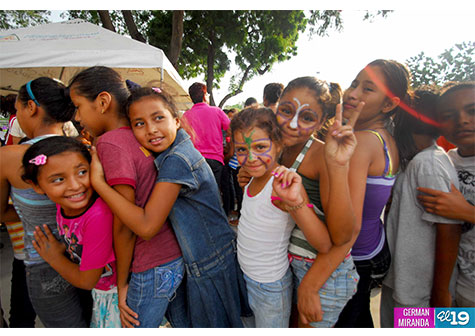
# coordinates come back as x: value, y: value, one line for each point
x: 263, y: 236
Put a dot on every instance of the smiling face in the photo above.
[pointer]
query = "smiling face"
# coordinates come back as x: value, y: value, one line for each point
x: 65, y: 180
x: 255, y: 151
x: 153, y: 124
x: 369, y: 87
x: 456, y: 112
x: 299, y: 114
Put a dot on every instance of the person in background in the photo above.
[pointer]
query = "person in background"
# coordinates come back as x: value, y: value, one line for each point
x: 251, y: 102
x: 456, y: 111
x: 207, y: 122
x: 43, y: 106
x: 423, y: 245
x: 272, y: 92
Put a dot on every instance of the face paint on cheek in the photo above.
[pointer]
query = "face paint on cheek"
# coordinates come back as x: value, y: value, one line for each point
x: 294, y: 122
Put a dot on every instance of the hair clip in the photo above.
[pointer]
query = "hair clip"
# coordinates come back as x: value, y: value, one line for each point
x: 38, y: 160
x: 157, y: 90
x: 30, y: 93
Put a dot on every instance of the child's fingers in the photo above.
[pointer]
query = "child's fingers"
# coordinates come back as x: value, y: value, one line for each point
x: 48, y: 233
x: 355, y: 114
x: 339, y: 112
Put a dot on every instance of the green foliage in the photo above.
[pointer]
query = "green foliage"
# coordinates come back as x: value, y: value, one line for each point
x: 22, y: 18
x: 454, y: 64
x: 92, y: 16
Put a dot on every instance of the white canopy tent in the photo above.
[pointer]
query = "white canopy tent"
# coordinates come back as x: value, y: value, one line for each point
x: 61, y: 50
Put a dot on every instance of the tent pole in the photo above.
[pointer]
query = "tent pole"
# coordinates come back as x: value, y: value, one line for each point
x: 161, y: 77
x: 61, y: 74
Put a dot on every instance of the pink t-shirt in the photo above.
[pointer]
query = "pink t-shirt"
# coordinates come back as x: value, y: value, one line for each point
x: 208, y: 122
x: 88, y: 239
x: 125, y: 161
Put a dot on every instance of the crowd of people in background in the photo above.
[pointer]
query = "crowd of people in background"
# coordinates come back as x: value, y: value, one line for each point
x: 125, y: 212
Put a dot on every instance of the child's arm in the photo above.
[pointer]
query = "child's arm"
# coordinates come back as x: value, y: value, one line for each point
x: 447, y: 244
x: 124, y: 243
x: 52, y: 251
x: 288, y: 186
x: 143, y: 222
x: 308, y: 298
x: 447, y: 204
x: 340, y: 144
x: 7, y: 211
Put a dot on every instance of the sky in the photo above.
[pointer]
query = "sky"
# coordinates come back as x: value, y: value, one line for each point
x: 413, y: 27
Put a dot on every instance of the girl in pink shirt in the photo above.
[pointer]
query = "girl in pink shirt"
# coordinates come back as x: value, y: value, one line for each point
x: 59, y: 167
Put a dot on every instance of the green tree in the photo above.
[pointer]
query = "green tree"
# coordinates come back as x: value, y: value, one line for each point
x: 454, y: 64
x: 22, y: 18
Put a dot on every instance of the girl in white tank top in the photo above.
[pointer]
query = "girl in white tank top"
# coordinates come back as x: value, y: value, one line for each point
x: 265, y: 224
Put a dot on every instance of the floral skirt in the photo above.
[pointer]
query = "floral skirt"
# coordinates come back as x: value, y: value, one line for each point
x: 105, y: 310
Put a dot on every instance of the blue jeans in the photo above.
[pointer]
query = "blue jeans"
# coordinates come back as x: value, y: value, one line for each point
x: 56, y: 301
x: 154, y: 291
x: 335, y: 293
x: 271, y: 302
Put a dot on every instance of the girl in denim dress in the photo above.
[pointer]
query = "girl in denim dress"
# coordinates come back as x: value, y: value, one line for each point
x: 186, y: 192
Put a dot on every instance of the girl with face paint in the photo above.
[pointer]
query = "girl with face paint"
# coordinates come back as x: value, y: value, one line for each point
x: 304, y: 106
x: 266, y: 223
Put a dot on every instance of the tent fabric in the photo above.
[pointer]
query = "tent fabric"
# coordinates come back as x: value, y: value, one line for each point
x: 60, y: 50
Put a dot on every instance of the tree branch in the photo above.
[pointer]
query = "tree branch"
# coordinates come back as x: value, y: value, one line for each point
x: 106, y: 20
x: 132, y: 27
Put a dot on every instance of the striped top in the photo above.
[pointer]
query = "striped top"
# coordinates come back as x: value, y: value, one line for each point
x: 298, y: 243
x: 233, y: 162
x: 34, y: 210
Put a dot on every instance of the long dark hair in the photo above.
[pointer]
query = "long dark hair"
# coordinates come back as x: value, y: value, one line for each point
x: 90, y: 82
x: 424, y: 103
x: 52, y: 96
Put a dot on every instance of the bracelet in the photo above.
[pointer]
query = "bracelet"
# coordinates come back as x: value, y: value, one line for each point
x: 296, y: 207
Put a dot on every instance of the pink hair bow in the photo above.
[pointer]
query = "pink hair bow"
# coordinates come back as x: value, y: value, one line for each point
x: 157, y: 90
x: 39, y: 160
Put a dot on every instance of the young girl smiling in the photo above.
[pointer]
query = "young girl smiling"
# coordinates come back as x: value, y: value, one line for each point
x: 59, y: 168
x: 185, y: 192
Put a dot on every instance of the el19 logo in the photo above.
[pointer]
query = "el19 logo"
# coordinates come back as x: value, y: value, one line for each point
x: 454, y: 317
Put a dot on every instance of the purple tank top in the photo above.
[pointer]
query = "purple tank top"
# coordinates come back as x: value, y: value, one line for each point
x: 371, y: 239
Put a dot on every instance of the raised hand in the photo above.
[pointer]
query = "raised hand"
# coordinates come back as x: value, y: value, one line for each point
x: 288, y: 186
x: 243, y: 177
x: 96, y: 172
x: 340, y: 142
x: 47, y: 246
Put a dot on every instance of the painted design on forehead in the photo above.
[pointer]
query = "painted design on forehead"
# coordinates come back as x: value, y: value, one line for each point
x: 264, y: 157
x: 301, y: 130
x: 294, y: 122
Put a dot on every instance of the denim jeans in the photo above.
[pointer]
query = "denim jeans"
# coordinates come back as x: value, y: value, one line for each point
x: 271, y: 302
x: 154, y: 291
x: 56, y: 301
x: 357, y: 312
x: 335, y: 293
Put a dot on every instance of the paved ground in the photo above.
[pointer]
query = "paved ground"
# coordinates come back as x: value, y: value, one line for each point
x: 6, y: 258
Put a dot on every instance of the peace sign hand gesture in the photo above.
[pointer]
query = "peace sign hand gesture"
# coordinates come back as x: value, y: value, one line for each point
x: 340, y: 142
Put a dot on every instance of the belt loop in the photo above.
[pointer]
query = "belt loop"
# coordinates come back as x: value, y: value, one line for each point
x: 195, y: 269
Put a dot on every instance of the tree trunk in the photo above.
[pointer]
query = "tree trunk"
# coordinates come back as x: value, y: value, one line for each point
x: 239, y: 89
x: 106, y: 20
x: 177, y: 37
x: 210, y: 70
x: 132, y: 27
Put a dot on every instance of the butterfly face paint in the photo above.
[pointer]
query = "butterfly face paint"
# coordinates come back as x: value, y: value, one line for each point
x: 297, y: 116
x: 255, y: 151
